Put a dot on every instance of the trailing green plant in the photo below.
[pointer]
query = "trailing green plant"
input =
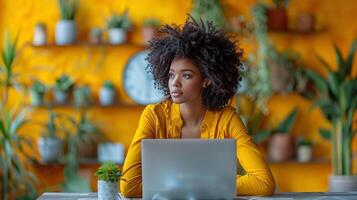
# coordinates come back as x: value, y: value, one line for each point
x: 68, y: 9
x: 64, y: 83
x: 209, y: 11
x: 51, y: 128
x: 337, y: 99
x: 119, y: 21
x: 284, y: 127
x: 151, y: 22
x: 109, y: 172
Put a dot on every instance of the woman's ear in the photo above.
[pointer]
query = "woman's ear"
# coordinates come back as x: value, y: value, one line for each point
x: 206, y: 83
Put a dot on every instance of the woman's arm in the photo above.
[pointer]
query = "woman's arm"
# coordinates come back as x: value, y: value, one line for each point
x: 131, y: 183
x: 258, y: 179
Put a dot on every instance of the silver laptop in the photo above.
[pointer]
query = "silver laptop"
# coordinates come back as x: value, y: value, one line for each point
x: 189, y: 168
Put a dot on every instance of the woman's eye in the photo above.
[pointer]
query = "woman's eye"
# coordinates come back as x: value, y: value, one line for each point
x: 187, y: 76
x: 171, y: 75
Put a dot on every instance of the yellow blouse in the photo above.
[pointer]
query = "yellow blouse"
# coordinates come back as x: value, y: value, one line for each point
x: 163, y: 120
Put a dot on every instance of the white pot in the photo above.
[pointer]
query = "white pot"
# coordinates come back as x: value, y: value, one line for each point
x: 108, y: 190
x: 106, y: 96
x: 304, y: 153
x: 50, y: 148
x: 37, y: 99
x: 66, y: 32
x: 342, y: 183
x: 40, y: 36
x: 116, y: 36
x: 60, y: 97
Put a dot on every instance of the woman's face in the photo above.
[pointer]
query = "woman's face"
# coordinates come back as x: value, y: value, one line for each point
x: 185, y: 81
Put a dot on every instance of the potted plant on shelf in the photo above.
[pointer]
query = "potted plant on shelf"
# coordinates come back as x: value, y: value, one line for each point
x: 108, y: 176
x: 281, y: 143
x: 82, y: 96
x: 277, y: 18
x: 95, y: 35
x: 150, y: 29
x: 304, y: 150
x: 40, y: 35
x: 118, y: 26
x: 49, y: 144
x: 337, y: 100
x: 62, y: 87
x: 37, y: 93
x: 66, y: 31
x: 107, y: 94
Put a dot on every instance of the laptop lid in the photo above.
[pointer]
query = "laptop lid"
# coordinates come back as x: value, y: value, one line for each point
x: 189, y: 168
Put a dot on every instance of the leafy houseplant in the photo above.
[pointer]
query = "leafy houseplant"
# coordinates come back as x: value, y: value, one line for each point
x: 82, y: 96
x: 281, y: 144
x: 62, y: 87
x: 338, y: 101
x: 66, y: 30
x: 50, y: 145
x: 107, y: 94
x: 16, y: 181
x: 108, y: 176
x: 37, y: 93
x: 118, y: 26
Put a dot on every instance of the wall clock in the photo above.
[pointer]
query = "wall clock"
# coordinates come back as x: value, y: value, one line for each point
x: 138, y: 82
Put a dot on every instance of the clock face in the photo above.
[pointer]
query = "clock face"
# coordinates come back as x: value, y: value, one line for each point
x: 138, y: 83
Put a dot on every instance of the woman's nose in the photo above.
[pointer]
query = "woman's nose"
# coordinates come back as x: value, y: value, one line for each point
x: 176, y: 81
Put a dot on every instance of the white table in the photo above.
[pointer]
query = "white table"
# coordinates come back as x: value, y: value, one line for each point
x: 279, y: 196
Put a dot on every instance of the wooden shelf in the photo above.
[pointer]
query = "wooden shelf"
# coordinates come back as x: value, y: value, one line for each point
x: 86, y: 44
x: 92, y: 106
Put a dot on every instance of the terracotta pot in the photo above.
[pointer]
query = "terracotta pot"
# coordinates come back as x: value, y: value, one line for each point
x: 281, y: 147
x: 280, y: 77
x: 305, y: 22
x: 277, y: 19
x: 149, y: 33
x: 87, y: 149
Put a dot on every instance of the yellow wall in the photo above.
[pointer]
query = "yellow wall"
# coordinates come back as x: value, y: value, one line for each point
x: 84, y: 64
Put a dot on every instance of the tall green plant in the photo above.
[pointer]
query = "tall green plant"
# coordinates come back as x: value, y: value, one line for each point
x: 68, y: 9
x: 338, y: 101
x: 14, y: 177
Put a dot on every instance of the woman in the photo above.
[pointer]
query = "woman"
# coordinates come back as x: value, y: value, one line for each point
x: 197, y: 67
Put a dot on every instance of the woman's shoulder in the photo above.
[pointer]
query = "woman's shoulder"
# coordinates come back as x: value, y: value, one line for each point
x: 228, y: 111
x: 159, y: 109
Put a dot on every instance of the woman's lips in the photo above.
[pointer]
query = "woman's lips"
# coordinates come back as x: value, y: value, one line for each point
x: 176, y: 94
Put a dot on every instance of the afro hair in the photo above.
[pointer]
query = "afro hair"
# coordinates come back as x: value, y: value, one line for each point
x: 215, y: 53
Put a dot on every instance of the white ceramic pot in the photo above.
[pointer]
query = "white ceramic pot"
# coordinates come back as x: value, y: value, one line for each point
x: 40, y: 35
x: 60, y: 97
x: 106, y: 96
x: 116, y: 36
x: 37, y: 99
x: 66, y: 32
x: 342, y: 183
x: 108, y: 190
x: 304, y: 153
x: 50, y: 148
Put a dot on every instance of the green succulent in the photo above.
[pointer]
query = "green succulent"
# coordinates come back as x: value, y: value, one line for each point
x: 108, y: 84
x: 109, y: 172
x: 151, y: 22
x: 64, y: 83
x: 68, y: 9
x: 38, y: 87
x: 119, y: 21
